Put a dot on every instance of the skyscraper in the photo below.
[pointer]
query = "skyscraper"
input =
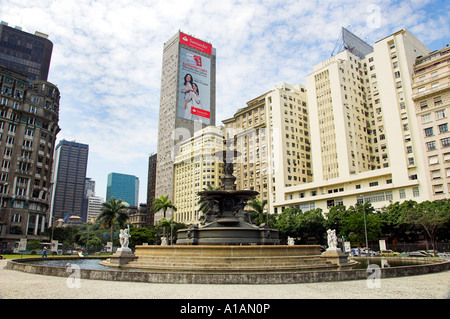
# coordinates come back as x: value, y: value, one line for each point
x: 69, y: 181
x: 187, y: 102
x: 25, y: 52
x: 124, y: 187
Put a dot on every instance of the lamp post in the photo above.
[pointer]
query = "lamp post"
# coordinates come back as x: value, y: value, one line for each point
x: 365, y: 227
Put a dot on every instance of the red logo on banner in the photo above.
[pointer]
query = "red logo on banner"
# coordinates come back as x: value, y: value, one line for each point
x: 200, y: 112
x: 198, y: 60
x: 195, y: 43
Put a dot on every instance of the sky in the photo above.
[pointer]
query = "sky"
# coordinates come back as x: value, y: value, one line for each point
x: 107, y: 58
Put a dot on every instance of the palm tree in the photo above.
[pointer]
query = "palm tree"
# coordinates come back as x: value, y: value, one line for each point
x: 164, y: 203
x: 257, y: 210
x: 112, y: 212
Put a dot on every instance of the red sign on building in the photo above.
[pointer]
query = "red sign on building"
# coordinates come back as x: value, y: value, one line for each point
x: 195, y: 43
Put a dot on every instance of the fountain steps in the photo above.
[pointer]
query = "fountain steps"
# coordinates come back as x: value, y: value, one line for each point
x: 227, y: 267
x: 230, y: 260
x: 184, y: 263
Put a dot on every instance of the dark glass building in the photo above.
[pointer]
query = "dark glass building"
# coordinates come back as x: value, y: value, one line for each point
x: 69, y: 180
x: 25, y: 52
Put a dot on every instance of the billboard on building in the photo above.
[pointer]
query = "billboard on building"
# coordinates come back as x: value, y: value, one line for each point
x: 195, y: 43
x: 194, y: 102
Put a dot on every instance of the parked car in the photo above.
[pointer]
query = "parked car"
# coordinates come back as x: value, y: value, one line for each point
x: 419, y: 254
x: 388, y: 253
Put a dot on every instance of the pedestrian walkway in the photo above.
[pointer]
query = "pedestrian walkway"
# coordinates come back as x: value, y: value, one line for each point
x: 19, y: 285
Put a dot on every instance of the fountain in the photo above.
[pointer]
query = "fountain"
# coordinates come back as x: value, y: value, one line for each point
x: 226, y: 222
x: 226, y: 240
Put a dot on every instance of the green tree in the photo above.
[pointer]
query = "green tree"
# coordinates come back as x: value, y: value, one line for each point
x: 353, y: 225
x: 112, y: 212
x: 392, y: 220
x: 141, y: 235
x: 163, y: 203
x: 287, y: 222
x: 257, y: 211
x: 429, y: 215
x: 335, y: 218
x: 312, y: 225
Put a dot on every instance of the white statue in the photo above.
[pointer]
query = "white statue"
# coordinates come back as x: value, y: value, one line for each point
x: 332, y: 239
x: 291, y: 241
x: 163, y: 241
x: 123, y: 237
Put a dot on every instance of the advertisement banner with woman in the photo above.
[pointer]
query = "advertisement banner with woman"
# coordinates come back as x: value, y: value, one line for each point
x: 194, y: 87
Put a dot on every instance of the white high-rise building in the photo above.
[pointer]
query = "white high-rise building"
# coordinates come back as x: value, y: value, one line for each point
x: 365, y: 140
x: 187, y: 102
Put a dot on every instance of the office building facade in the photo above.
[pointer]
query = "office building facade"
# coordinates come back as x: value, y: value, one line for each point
x: 29, y: 114
x: 187, y: 101
x: 124, y: 187
x: 69, y: 181
x: 25, y: 52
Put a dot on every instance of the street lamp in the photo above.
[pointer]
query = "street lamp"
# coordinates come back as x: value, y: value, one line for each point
x: 365, y: 227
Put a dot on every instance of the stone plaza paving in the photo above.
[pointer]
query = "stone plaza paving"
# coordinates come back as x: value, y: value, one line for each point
x: 19, y: 285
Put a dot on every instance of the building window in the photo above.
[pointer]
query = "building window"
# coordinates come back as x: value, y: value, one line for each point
x: 426, y: 118
x: 434, y: 85
x: 433, y: 160
x: 416, y: 192
x: 431, y: 145
x: 437, y: 101
x: 445, y: 142
x: 443, y: 128
x: 440, y: 114
x: 423, y: 104
x: 402, y: 193
x: 429, y: 131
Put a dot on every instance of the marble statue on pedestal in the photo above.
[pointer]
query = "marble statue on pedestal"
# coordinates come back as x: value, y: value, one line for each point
x: 124, y: 237
x: 291, y: 241
x: 332, y: 239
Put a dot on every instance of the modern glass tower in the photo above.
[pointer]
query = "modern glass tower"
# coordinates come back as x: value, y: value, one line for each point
x: 124, y: 187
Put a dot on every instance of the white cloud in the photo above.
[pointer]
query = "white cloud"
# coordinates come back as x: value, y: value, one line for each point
x: 107, y: 57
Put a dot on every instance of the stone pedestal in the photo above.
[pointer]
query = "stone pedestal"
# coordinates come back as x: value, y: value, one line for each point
x: 335, y: 256
x: 122, y: 257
